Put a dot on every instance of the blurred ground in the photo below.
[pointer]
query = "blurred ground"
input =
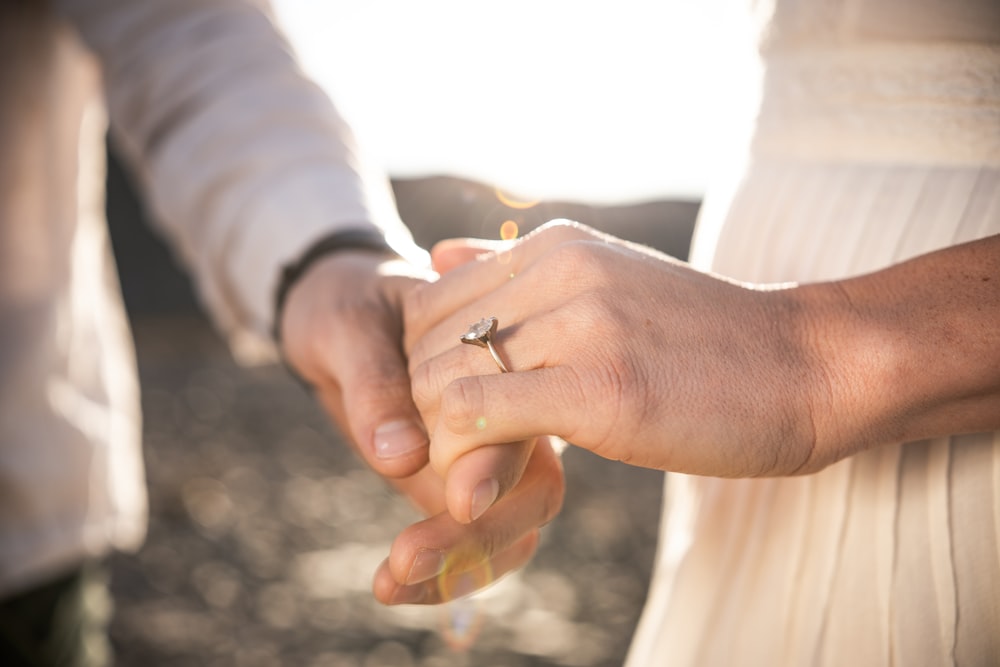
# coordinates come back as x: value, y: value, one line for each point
x: 265, y: 530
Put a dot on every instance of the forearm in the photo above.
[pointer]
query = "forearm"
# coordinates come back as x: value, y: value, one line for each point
x: 909, y: 352
x: 244, y: 160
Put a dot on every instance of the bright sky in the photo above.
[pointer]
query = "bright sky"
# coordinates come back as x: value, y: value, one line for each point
x: 591, y: 101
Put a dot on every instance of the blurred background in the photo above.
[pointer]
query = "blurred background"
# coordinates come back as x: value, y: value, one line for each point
x: 265, y: 530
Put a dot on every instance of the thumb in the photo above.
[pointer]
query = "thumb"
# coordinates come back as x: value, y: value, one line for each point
x: 374, y: 388
x: 343, y: 332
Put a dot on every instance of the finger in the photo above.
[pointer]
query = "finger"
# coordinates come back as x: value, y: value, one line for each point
x: 511, y: 302
x: 426, y: 306
x: 451, y: 253
x: 380, y: 412
x: 487, y: 409
x: 430, y: 378
x: 480, y: 478
x: 441, y: 544
x: 532, y: 344
x: 449, y: 587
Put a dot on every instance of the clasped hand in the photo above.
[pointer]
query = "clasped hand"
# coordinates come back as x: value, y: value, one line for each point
x: 341, y: 331
x: 613, y: 347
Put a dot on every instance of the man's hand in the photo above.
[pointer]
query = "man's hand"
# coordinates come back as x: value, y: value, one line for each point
x: 341, y: 331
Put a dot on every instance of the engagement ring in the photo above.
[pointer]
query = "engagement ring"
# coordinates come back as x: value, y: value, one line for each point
x: 481, y: 334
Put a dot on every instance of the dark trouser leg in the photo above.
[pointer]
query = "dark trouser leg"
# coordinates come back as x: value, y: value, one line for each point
x: 62, y: 623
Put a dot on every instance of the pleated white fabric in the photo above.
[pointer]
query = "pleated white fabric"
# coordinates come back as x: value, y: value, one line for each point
x: 891, y: 557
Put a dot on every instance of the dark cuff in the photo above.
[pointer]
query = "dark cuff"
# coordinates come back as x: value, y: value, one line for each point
x: 346, y: 239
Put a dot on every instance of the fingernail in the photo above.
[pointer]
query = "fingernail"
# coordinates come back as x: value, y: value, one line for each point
x: 427, y: 563
x: 398, y: 438
x: 483, y: 497
x: 408, y: 595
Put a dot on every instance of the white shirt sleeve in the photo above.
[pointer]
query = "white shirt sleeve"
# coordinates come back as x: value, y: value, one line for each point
x: 245, y: 161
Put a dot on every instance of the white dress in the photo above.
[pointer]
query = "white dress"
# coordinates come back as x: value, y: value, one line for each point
x: 878, y: 140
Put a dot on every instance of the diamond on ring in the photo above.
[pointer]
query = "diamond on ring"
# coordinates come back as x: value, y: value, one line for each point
x: 481, y: 335
x: 480, y: 332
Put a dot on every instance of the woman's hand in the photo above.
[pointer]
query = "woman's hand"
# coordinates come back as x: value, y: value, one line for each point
x: 615, y: 348
x: 637, y: 357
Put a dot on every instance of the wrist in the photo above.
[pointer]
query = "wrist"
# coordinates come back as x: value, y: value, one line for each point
x: 847, y: 357
x: 355, y: 239
x: 868, y: 385
x: 930, y: 345
x: 293, y: 275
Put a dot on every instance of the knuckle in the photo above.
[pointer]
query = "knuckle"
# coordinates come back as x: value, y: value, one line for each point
x: 422, y: 386
x: 461, y: 405
x: 612, y: 389
x: 563, y: 230
x: 575, y: 254
x: 555, y: 233
x: 417, y: 355
x: 578, y: 262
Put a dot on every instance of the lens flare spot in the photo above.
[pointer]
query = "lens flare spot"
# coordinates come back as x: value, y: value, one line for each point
x: 462, y: 624
x: 481, y: 423
x: 508, y: 230
x: 461, y: 616
x: 511, y: 201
